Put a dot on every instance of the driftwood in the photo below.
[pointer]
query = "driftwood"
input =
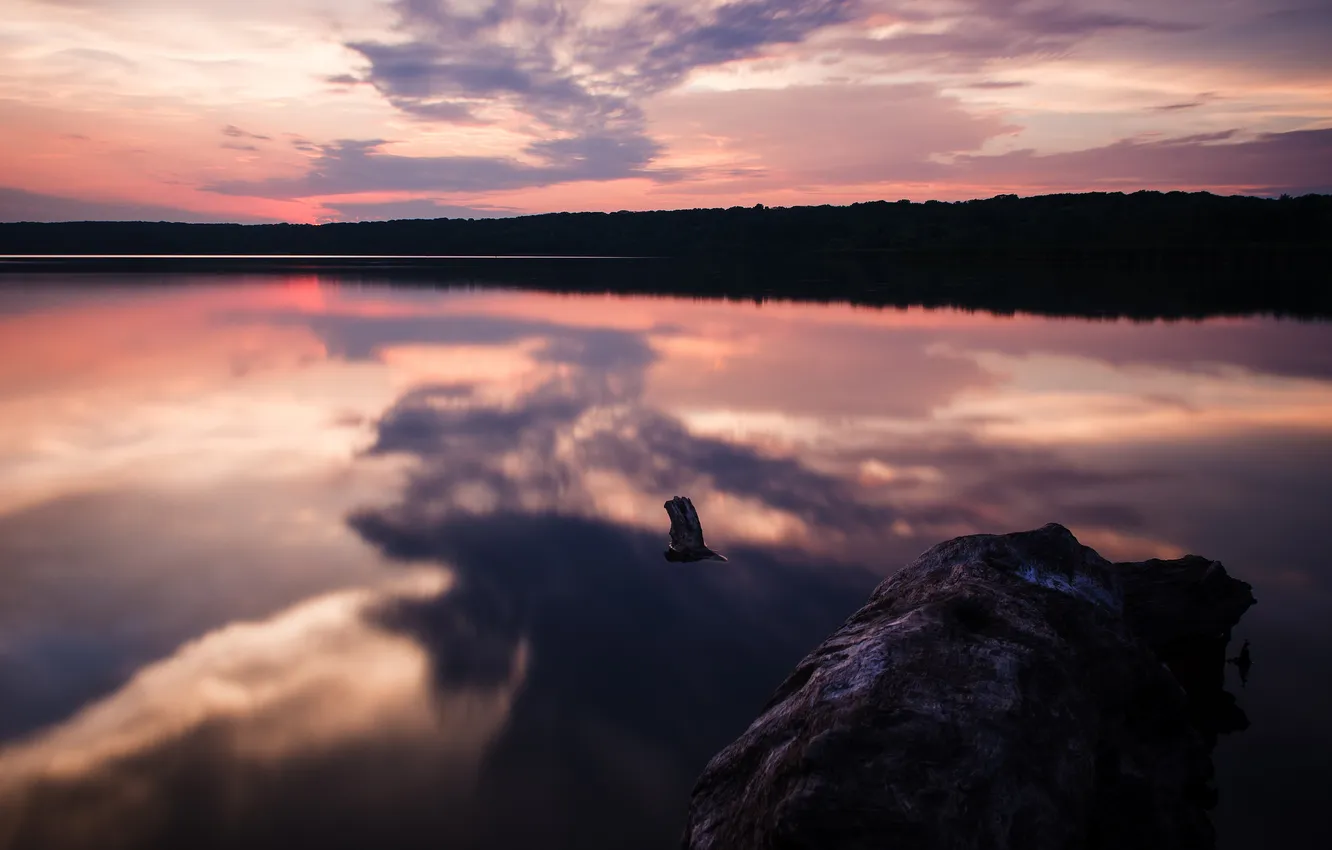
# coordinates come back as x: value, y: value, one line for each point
x: 1014, y: 691
x: 687, y: 533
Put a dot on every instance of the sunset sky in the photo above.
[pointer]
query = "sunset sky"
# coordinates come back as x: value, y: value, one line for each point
x: 316, y: 110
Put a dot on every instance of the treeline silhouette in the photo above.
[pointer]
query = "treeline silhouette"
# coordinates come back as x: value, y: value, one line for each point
x: 1146, y: 253
x: 1006, y: 224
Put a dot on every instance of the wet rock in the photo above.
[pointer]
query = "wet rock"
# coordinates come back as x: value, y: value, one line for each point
x: 1013, y: 691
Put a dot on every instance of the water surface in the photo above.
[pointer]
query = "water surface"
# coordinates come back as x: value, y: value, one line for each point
x: 294, y: 561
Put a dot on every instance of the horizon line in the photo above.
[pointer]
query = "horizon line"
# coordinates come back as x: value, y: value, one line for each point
x: 757, y: 206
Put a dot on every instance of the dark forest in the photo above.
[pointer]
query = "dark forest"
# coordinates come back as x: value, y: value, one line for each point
x: 1141, y: 254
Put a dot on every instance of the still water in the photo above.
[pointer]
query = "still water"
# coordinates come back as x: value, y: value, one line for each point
x: 297, y: 563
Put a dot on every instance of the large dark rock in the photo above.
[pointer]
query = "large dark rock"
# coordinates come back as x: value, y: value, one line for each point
x: 1013, y: 691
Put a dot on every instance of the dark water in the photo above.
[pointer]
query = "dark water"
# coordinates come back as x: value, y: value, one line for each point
x: 309, y: 565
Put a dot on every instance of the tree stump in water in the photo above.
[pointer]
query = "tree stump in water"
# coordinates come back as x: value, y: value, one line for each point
x: 1002, y: 691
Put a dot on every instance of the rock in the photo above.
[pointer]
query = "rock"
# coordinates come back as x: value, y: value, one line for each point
x: 1002, y: 691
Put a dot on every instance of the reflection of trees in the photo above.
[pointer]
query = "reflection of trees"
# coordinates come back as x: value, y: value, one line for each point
x: 1144, y: 254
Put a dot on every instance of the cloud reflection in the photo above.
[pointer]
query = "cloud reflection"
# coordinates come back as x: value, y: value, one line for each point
x: 802, y: 443
x: 314, y: 680
x: 622, y: 702
x: 567, y: 673
x: 584, y: 441
x: 547, y: 501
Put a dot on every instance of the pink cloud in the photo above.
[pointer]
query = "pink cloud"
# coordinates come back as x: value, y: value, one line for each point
x: 801, y: 135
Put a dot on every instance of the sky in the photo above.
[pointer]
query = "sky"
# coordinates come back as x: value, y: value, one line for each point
x: 321, y: 110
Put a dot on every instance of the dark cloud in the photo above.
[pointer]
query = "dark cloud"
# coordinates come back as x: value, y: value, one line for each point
x: 18, y: 205
x: 977, y: 32
x: 414, y: 208
x: 1275, y: 41
x: 1297, y: 162
x: 352, y: 166
x: 998, y: 84
x: 567, y: 73
x: 428, y: 80
x: 1176, y: 107
x: 1296, y: 35
x: 234, y: 132
x: 580, y: 83
x: 301, y: 143
x: 666, y: 43
x: 1064, y: 20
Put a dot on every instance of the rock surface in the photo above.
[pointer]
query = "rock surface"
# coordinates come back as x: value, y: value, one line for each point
x: 1002, y: 691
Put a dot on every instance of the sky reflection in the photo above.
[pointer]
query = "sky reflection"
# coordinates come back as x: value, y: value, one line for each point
x: 261, y: 542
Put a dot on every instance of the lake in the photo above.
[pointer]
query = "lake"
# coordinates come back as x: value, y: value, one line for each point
x: 285, y: 560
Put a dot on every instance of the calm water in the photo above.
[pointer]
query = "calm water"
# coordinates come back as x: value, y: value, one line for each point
x: 382, y: 567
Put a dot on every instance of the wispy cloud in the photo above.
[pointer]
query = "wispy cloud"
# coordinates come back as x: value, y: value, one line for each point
x: 1175, y: 107
x: 557, y: 67
x: 985, y: 85
x: 971, y: 34
x: 577, y: 82
x: 1297, y: 162
x: 353, y: 166
x: 409, y: 208
x: 234, y: 132
x: 17, y: 205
